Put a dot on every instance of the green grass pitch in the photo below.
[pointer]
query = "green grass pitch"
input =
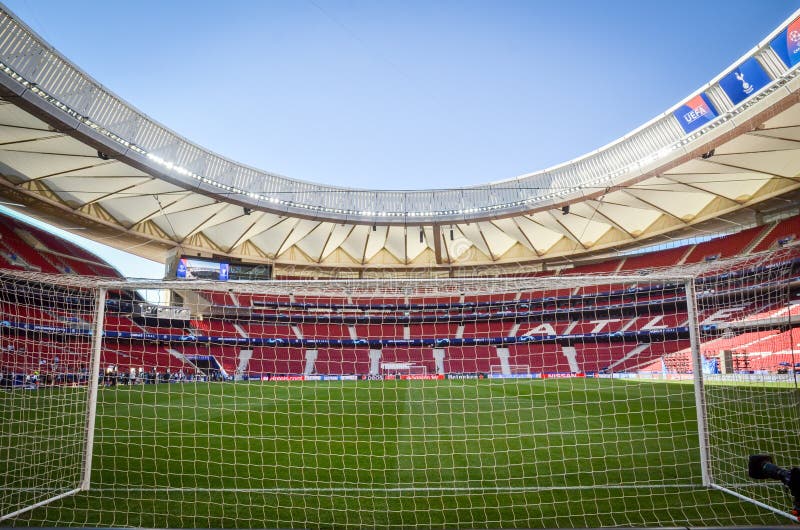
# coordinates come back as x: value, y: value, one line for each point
x: 453, y: 453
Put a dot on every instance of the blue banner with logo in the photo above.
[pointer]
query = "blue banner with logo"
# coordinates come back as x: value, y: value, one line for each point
x: 787, y: 44
x: 744, y: 81
x: 695, y: 113
x: 224, y: 271
x: 181, y: 273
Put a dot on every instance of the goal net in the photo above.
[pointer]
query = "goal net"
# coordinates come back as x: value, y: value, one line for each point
x: 510, y: 370
x: 403, y: 370
x: 46, y: 334
x: 574, y: 400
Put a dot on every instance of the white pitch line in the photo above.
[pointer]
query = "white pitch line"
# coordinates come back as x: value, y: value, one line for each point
x: 405, y: 489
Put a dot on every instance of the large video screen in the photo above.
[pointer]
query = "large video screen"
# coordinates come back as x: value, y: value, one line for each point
x: 250, y: 271
x: 209, y: 269
x: 200, y: 269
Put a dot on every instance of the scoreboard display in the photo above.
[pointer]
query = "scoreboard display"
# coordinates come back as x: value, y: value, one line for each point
x: 193, y: 268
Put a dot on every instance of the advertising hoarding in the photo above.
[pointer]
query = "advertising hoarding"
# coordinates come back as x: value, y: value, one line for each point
x: 787, y: 44
x: 744, y: 80
x: 695, y: 113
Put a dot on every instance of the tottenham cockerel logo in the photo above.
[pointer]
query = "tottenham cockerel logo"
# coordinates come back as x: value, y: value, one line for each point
x: 747, y: 88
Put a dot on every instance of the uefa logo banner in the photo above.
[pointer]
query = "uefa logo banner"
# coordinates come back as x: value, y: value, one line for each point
x: 695, y: 113
x: 224, y: 271
x: 182, y: 268
x: 787, y: 44
x: 744, y: 81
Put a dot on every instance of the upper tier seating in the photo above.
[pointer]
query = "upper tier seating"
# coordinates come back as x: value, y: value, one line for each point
x: 256, y: 330
x: 322, y: 331
x: 724, y: 247
x: 27, y: 313
x: 607, y: 266
x: 663, y: 258
x: 215, y: 327
x: 23, y: 246
x: 20, y: 254
x: 120, y: 323
x: 784, y: 232
x: 219, y: 298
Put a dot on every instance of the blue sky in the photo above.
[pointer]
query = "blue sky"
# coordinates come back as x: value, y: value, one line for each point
x: 404, y: 94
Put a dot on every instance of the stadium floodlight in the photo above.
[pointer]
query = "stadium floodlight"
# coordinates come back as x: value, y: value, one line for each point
x: 586, y: 400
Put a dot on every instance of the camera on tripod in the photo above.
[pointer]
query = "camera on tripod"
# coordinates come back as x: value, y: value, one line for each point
x: 761, y: 467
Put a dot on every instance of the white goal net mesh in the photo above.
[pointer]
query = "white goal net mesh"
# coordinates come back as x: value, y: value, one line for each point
x: 559, y: 401
x: 45, y: 351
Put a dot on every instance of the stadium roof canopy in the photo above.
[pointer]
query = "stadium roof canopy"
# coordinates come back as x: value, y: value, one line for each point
x: 76, y: 155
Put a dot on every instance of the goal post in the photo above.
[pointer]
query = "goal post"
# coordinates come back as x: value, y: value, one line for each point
x: 94, y: 381
x: 752, y: 408
x: 697, y: 371
x: 574, y: 399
